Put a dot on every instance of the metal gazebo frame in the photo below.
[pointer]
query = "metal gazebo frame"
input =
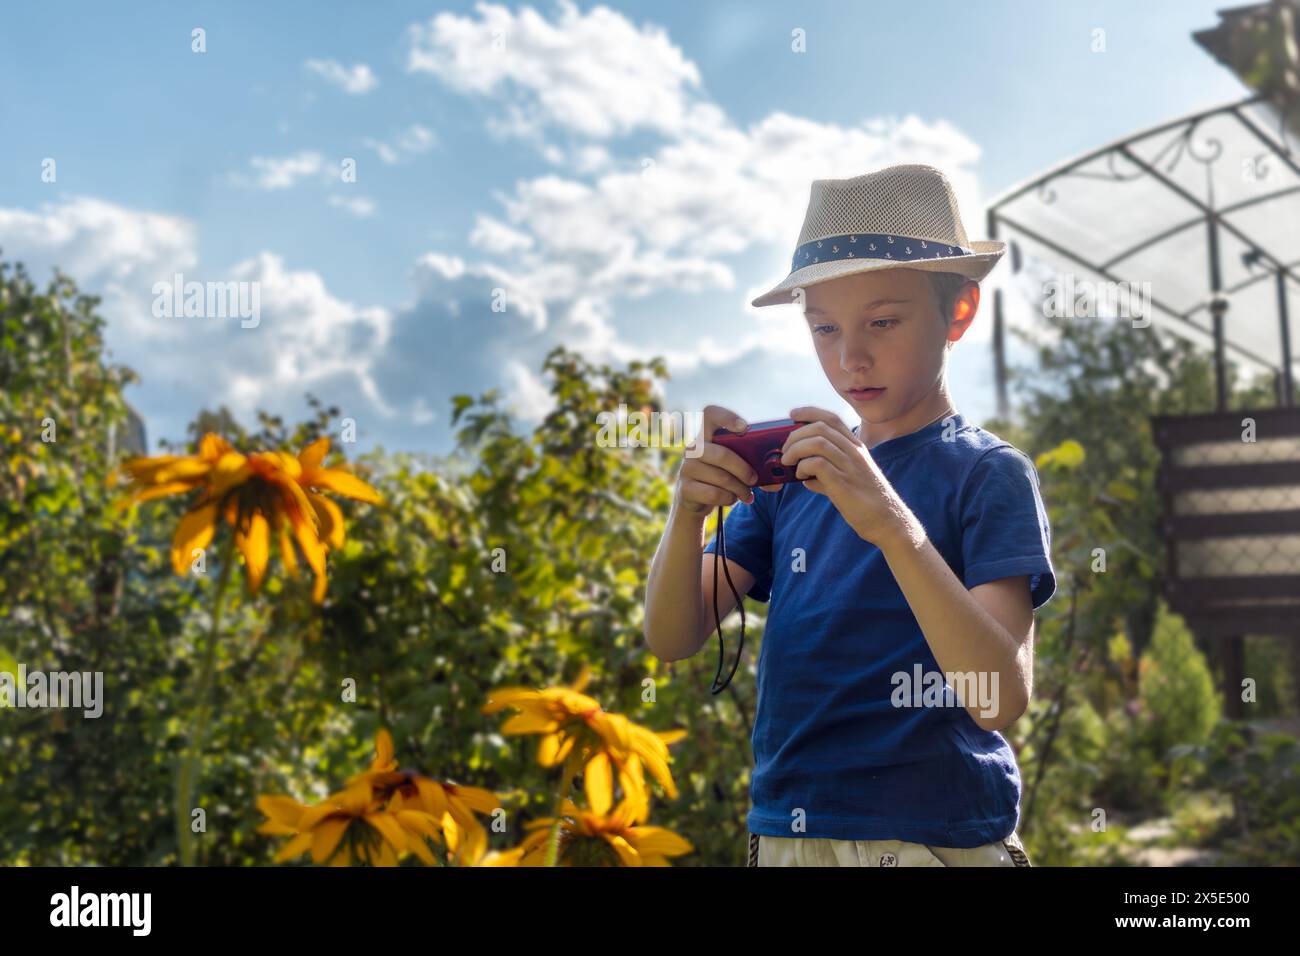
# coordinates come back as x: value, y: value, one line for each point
x: 1227, y: 505
x: 1199, y: 215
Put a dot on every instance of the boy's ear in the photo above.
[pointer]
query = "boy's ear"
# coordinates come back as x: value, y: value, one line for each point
x: 963, y: 310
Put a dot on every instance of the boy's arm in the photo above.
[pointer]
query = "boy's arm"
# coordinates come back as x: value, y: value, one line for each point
x: 987, y: 629
x: 679, y: 589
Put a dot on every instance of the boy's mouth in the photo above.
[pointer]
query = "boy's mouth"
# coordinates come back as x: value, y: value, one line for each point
x: 865, y: 394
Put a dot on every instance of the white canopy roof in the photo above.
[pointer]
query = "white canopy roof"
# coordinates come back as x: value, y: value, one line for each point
x: 1147, y: 208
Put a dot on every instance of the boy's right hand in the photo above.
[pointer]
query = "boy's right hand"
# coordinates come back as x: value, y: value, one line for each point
x: 715, y: 475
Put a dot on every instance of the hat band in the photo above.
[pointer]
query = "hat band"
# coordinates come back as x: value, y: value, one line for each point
x: 871, y: 245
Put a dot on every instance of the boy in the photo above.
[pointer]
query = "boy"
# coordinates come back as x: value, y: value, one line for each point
x: 902, y: 571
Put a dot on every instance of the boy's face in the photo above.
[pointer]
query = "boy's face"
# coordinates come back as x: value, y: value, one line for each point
x: 881, y: 331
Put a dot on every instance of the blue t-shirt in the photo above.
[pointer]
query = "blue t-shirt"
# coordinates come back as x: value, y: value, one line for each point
x: 839, y: 633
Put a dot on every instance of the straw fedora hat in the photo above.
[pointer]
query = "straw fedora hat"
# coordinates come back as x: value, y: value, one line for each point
x: 900, y: 216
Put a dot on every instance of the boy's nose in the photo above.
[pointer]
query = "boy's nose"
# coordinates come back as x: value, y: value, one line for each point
x: 855, y: 357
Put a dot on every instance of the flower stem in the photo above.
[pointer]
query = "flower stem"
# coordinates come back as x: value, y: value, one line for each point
x: 566, y: 781
x: 186, y: 778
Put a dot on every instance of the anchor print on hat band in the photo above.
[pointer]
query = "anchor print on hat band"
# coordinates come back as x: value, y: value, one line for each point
x: 833, y: 248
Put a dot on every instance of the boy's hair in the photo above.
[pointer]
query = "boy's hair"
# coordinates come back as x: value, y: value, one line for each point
x: 946, y: 286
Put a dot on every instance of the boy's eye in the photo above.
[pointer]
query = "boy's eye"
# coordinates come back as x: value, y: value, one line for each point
x: 884, y: 323
x: 817, y: 329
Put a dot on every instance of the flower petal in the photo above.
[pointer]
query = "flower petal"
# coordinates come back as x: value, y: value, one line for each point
x: 659, y: 841
x: 287, y: 554
x: 163, y: 490
x: 312, y: 549
x: 312, y: 455
x: 255, y: 546
x: 281, y: 810
x: 626, y: 852
x: 478, y: 799
x: 195, y: 530
x: 391, y: 830
x: 598, y: 782
x: 330, y: 517
x: 383, y: 751
x: 230, y: 470
x: 325, y: 838
x: 432, y: 797
x: 528, y: 723
x: 341, y: 482
x: 295, y: 847
x: 507, y: 696
x: 212, y: 446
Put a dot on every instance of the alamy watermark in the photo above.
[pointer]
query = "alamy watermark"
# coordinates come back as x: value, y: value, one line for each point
x: 639, y: 429
x: 74, y: 908
x: 1070, y: 298
x: 211, y: 300
x: 59, y: 689
x: 952, y: 689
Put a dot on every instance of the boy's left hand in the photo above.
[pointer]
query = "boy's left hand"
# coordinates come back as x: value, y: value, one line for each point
x: 838, y: 465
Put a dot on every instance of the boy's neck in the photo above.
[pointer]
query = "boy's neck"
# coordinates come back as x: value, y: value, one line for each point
x: 935, y: 406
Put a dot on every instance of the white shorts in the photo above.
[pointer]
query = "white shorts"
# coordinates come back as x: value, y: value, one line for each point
x: 807, y: 851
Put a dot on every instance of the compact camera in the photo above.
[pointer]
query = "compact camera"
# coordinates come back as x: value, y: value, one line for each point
x: 760, y: 445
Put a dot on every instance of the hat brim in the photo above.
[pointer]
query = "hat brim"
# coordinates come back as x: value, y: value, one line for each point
x: 976, y: 266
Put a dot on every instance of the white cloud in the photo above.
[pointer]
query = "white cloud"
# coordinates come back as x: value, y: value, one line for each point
x: 593, y: 71
x: 386, y: 153
x: 493, y: 236
x: 416, y: 139
x: 306, y: 337
x: 683, y: 219
x: 704, y: 218
x: 603, y: 230
x: 435, y: 271
x: 590, y: 159
x: 359, y: 206
x: 285, y: 171
x: 412, y: 141
x: 527, y: 396
x: 421, y: 413
x: 110, y: 249
x: 357, y: 79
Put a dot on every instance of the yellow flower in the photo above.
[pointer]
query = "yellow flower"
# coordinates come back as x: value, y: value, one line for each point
x: 503, y: 857
x: 450, y: 807
x: 567, y: 719
x: 259, y: 495
x: 374, y: 835
x: 598, y: 774
x: 596, y: 839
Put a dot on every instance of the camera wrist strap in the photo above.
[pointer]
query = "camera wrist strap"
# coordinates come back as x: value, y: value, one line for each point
x: 720, y: 557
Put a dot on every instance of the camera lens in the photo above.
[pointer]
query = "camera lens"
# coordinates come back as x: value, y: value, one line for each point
x: 773, y: 461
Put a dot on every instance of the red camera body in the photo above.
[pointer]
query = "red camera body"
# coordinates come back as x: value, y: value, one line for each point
x: 760, y: 445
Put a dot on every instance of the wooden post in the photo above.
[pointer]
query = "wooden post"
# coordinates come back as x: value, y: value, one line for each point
x: 1232, y: 651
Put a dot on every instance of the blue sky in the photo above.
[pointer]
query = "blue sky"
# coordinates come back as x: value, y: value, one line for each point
x: 630, y: 174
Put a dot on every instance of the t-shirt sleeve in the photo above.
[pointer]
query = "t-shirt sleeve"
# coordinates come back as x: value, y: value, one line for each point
x: 747, y: 534
x: 1005, y: 531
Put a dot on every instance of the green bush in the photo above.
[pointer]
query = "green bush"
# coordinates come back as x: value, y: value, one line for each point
x: 1176, y: 696
x: 1261, y: 773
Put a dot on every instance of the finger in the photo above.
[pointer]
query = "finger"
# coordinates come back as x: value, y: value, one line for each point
x: 816, y: 467
x: 728, y: 460
x: 702, y: 471
x: 716, y: 416
x: 811, y: 413
x: 704, y: 494
x: 826, y: 445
